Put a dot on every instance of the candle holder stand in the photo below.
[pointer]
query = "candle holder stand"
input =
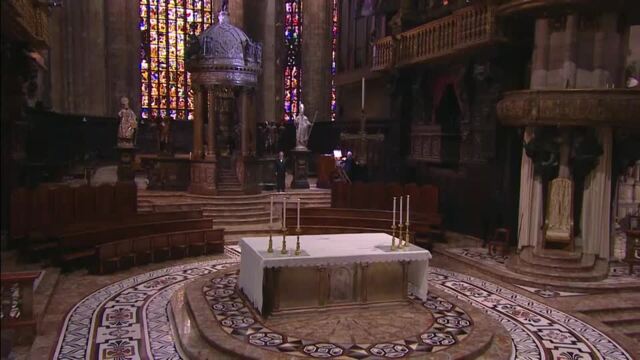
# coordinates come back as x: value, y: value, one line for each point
x: 393, y: 238
x: 400, y: 236
x: 297, y: 252
x: 406, y: 235
x: 270, y: 248
x: 284, y: 251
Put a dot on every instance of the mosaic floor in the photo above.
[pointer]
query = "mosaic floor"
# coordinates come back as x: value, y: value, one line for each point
x: 129, y: 320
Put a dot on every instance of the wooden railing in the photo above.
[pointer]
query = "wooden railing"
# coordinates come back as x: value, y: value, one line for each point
x: 466, y: 28
x: 17, y: 304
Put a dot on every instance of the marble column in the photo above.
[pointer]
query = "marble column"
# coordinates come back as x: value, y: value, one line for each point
x: 244, y: 122
x: 530, y: 212
x: 211, y: 125
x: 596, y: 203
x: 570, y: 55
x: 540, y: 54
x: 198, y: 101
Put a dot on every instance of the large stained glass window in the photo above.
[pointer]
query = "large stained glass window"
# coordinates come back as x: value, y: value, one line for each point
x: 334, y: 50
x: 292, y: 67
x: 165, y: 82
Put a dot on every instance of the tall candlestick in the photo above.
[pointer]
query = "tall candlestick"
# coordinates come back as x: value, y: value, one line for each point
x: 394, y: 211
x: 298, y: 227
x: 271, y: 213
x: 408, y: 197
x: 400, y: 210
x: 362, y: 107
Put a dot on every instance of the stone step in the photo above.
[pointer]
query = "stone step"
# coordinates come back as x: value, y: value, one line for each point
x: 235, y: 208
x: 599, y: 271
x: 629, y: 328
x: 551, y: 254
x: 587, y: 262
x: 235, y: 215
x: 240, y: 221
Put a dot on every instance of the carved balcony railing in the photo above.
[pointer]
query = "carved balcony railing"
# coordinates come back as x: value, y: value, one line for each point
x: 17, y: 304
x: 466, y: 28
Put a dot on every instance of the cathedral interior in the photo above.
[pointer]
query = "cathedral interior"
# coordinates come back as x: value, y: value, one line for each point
x: 348, y: 179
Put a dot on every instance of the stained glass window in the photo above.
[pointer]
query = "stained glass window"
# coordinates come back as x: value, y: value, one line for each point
x: 165, y: 84
x: 334, y: 50
x: 293, y: 47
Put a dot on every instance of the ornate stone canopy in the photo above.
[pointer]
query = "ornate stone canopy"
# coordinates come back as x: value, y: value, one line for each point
x: 225, y: 56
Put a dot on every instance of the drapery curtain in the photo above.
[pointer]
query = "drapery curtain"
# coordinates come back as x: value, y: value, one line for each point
x: 530, y: 212
x: 596, y: 205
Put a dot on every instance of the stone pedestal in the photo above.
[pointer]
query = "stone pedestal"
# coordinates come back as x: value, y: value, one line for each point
x: 203, y: 177
x: 266, y: 173
x: 126, y: 158
x: 300, y: 168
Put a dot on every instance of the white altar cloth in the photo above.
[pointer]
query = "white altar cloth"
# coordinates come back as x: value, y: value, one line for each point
x: 327, y: 250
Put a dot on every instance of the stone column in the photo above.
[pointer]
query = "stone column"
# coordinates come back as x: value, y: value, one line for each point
x: 540, y: 54
x: 570, y: 55
x: 198, y: 101
x: 211, y: 126
x: 596, y: 203
x: 245, y: 122
x: 530, y: 212
x: 316, y: 59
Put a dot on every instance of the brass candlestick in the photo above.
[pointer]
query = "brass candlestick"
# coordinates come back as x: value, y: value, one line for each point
x: 393, y: 237
x: 406, y: 235
x: 270, y: 248
x: 284, y: 241
x: 298, y: 231
x: 400, y: 235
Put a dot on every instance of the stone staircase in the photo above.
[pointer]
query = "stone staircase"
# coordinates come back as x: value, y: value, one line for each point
x: 228, y: 183
x: 625, y: 319
x: 240, y: 215
x: 558, y: 265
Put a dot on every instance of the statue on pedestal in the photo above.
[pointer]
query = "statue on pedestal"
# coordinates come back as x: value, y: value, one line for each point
x: 303, y: 129
x: 164, y: 135
x: 128, y: 125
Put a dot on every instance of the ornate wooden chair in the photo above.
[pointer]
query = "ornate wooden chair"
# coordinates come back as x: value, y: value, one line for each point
x: 558, y: 224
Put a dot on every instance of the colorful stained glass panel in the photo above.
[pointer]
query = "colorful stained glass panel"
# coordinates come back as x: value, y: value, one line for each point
x: 165, y: 84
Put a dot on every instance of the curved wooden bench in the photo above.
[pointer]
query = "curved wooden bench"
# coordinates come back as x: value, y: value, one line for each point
x: 79, y: 246
x: 123, y: 254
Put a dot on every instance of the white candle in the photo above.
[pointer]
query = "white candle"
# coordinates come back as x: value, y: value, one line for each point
x: 408, y: 197
x: 394, y: 211
x: 271, y: 213
x: 298, y: 214
x: 362, y: 93
x: 400, y: 222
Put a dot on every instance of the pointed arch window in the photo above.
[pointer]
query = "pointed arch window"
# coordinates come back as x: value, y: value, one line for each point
x: 165, y: 84
x: 334, y: 52
x: 293, y: 62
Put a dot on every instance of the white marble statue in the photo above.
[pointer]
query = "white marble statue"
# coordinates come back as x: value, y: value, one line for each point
x: 303, y: 129
x: 128, y: 124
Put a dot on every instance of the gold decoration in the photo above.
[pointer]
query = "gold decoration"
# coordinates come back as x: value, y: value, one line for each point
x: 284, y: 251
x: 298, y: 231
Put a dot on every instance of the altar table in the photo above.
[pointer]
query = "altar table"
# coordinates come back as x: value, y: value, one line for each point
x: 332, y: 271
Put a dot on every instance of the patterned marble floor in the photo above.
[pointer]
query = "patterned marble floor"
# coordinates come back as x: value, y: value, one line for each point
x: 129, y: 319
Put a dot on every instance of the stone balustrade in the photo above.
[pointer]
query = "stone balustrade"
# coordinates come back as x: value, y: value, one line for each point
x: 470, y: 27
x: 17, y: 313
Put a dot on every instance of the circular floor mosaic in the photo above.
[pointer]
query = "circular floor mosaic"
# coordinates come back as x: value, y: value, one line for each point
x: 438, y: 324
x: 129, y: 320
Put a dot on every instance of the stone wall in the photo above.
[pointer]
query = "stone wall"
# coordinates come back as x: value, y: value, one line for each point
x: 93, y: 59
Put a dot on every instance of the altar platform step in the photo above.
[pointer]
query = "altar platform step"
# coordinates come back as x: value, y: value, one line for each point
x: 507, y: 274
x: 571, y: 264
x: 200, y: 337
x: 563, y: 255
x: 599, y: 271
